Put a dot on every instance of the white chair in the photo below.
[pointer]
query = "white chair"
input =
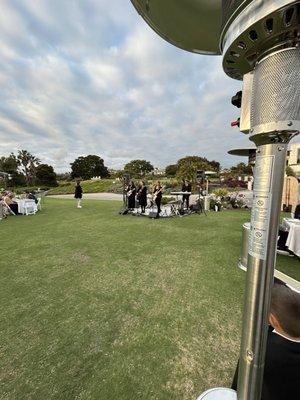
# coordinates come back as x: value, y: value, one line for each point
x: 39, y: 204
x: 30, y: 207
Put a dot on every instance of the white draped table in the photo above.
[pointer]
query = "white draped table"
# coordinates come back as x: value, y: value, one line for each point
x: 293, y: 239
x: 25, y: 205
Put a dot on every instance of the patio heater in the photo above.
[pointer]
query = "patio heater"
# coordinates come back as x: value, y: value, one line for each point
x: 259, y: 41
x: 250, y: 153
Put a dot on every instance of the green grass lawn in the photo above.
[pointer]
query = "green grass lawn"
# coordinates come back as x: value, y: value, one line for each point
x: 100, y: 306
x: 88, y: 187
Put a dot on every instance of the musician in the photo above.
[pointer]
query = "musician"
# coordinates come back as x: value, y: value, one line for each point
x: 157, y: 195
x: 186, y: 187
x: 142, y: 195
x: 131, y: 192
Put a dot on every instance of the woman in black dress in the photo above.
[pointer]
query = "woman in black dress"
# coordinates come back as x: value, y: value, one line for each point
x: 142, y: 196
x: 78, y: 194
x: 186, y: 187
x: 131, y: 192
x: 157, y: 196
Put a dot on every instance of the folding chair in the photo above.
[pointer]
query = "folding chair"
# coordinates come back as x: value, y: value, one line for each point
x: 30, y: 207
x: 39, y: 204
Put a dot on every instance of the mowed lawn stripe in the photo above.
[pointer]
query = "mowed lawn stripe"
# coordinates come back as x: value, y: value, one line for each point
x: 95, y: 305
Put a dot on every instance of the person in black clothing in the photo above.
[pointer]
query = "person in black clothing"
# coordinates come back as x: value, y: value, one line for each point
x: 186, y: 187
x: 131, y: 192
x: 281, y: 379
x: 142, y: 196
x: 78, y: 194
x: 157, y: 195
x: 31, y: 196
x: 297, y: 212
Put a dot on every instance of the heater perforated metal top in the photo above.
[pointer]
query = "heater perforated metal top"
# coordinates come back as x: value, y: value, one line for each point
x: 258, y: 29
x: 192, y: 25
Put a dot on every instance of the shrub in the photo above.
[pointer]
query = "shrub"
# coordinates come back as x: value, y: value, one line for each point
x: 234, y: 183
x: 221, y: 192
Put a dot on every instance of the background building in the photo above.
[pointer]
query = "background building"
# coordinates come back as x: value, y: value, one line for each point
x: 293, y: 158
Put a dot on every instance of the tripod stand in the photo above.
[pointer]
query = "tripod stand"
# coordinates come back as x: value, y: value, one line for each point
x: 200, y: 203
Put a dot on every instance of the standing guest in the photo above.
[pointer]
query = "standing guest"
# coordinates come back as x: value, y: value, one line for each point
x: 186, y: 187
x: 157, y: 196
x: 131, y: 192
x: 281, y: 380
x: 78, y: 194
x: 142, y: 196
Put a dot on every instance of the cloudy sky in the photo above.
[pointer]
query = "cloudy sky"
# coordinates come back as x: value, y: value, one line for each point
x: 85, y: 77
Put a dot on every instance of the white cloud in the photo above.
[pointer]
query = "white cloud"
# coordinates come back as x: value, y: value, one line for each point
x: 90, y: 76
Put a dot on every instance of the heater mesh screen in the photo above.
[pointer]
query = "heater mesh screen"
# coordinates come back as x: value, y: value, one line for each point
x: 276, y: 89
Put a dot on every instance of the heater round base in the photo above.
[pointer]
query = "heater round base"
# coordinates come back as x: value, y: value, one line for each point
x: 218, y: 394
x: 242, y: 266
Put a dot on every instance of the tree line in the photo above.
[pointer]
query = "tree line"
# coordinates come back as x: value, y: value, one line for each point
x: 25, y: 169
x: 185, y: 168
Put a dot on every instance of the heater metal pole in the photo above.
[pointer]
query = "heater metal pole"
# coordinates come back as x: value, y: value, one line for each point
x: 275, y: 110
x: 268, y: 184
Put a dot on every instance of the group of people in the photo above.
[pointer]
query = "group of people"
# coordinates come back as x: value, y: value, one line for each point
x: 139, y: 194
x: 9, y: 205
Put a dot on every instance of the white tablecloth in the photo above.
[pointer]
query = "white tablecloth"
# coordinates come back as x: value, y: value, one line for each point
x: 26, y: 203
x: 293, y: 239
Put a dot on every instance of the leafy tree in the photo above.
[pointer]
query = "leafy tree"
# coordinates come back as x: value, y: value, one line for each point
x: 10, y: 165
x: 89, y: 166
x: 138, y: 167
x: 187, y: 167
x: 27, y: 164
x: 289, y: 171
x: 118, y: 174
x: 171, y: 170
x: 45, y: 175
x: 64, y: 176
x: 215, y: 165
x: 241, y: 169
